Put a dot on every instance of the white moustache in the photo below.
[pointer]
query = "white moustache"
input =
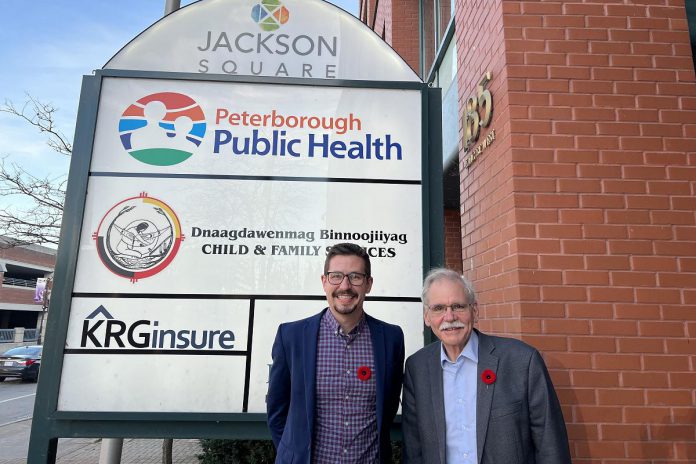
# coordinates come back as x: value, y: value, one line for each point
x: 452, y: 325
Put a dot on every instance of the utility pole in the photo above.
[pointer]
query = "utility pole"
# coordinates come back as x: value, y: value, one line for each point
x: 45, y: 299
x: 171, y: 6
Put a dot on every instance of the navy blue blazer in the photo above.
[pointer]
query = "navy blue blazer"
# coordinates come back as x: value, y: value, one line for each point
x: 291, y: 398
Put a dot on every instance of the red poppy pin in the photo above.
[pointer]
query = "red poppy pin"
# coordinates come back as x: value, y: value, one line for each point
x: 488, y: 377
x: 364, y: 373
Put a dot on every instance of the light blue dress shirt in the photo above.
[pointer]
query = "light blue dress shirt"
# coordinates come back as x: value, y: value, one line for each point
x: 459, y: 389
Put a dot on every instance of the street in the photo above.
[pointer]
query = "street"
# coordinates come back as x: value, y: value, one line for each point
x: 16, y: 407
x: 16, y: 400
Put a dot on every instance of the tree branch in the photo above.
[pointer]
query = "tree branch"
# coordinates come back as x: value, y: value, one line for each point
x: 41, y: 116
x: 36, y: 204
x: 39, y: 221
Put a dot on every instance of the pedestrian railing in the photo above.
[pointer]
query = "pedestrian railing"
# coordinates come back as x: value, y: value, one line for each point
x: 7, y: 335
x: 28, y: 283
x: 31, y: 335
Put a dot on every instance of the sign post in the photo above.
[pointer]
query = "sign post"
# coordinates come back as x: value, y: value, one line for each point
x: 201, y: 203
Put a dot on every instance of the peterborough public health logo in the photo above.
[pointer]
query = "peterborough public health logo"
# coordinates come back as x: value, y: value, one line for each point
x: 270, y: 14
x: 162, y: 129
x: 138, y: 237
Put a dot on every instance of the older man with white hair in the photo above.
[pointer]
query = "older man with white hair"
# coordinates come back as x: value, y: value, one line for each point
x: 475, y: 398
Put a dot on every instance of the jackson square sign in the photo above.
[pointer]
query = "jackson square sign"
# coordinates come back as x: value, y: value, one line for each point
x: 217, y: 156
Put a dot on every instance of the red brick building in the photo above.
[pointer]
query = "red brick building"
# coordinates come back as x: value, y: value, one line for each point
x: 21, y: 266
x: 577, y: 222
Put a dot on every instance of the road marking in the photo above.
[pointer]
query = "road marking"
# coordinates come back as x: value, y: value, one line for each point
x: 15, y: 421
x: 18, y: 398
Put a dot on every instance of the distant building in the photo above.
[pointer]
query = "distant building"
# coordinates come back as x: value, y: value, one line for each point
x: 21, y: 267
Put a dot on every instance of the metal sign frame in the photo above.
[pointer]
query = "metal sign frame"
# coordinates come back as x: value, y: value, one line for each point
x: 49, y: 424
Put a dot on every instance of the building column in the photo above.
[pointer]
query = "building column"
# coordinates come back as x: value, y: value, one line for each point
x: 578, y: 219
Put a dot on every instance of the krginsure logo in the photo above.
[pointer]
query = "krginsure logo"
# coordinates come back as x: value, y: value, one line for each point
x: 100, y: 329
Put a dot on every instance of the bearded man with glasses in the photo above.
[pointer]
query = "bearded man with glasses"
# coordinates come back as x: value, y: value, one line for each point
x: 336, y: 377
x: 475, y: 398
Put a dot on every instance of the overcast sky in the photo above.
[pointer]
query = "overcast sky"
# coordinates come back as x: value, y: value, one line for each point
x: 45, y: 49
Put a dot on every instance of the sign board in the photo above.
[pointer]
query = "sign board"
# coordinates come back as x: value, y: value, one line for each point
x: 310, y: 39
x: 240, y: 213
x: 200, y: 209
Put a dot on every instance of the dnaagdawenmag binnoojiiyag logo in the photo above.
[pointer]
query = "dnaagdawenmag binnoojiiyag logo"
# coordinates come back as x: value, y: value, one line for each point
x: 162, y: 129
x: 138, y: 237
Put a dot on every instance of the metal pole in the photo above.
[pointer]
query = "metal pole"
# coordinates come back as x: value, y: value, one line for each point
x: 171, y: 6
x: 421, y: 39
x: 44, y: 308
x: 168, y: 443
x: 111, y: 449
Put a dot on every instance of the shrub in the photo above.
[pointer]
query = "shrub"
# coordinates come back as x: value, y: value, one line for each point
x: 237, y: 452
x: 252, y: 452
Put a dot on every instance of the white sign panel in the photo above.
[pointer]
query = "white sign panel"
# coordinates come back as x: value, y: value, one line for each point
x: 243, y: 237
x: 209, y: 212
x: 155, y: 355
x: 271, y: 313
x: 193, y: 127
x: 286, y: 38
x: 158, y: 355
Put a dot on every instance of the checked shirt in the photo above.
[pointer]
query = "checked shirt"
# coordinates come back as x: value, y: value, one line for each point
x: 346, y: 417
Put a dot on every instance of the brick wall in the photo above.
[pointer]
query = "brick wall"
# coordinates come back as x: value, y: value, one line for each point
x: 28, y: 256
x: 602, y: 112
x: 401, y: 34
x: 579, y: 222
x: 18, y: 296
x: 453, y: 239
x: 488, y: 204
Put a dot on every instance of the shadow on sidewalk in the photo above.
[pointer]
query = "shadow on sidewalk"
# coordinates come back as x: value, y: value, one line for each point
x: 15, y: 446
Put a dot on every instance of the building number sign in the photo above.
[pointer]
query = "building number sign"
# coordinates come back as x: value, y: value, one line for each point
x: 478, y: 114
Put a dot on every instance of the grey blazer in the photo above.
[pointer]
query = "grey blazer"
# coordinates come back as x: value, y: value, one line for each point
x: 518, y: 417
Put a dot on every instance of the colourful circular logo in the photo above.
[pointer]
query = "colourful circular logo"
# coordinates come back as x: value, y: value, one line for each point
x: 162, y: 129
x: 138, y: 237
x: 270, y: 14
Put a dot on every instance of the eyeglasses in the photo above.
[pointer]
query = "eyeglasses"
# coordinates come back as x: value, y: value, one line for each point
x: 438, y: 309
x: 355, y: 278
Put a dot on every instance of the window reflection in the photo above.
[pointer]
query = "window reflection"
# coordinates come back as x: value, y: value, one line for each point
x: 446, y: 12
x: 436, y: 17
x: 429, y: 34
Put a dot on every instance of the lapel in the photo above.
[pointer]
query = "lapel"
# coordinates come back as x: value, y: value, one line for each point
x: 484, y: 393
x: 438, y: 399
x: 379, y: 352
x: 310, y: 337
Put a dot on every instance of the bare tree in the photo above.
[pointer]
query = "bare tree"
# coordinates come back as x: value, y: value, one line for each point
x: 36, y: 208
x: 39, y: 222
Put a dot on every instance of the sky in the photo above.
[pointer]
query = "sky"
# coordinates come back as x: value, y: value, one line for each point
x: 45, y: 49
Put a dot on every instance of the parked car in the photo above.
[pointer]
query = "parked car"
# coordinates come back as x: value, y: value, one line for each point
x: 22, y: 362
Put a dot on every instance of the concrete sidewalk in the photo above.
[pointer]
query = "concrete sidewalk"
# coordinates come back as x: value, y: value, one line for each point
x: 14, y: 446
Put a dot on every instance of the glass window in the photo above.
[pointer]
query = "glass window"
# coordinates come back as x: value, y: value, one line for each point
x: 691, y: 20
x: 448, y: 67
x: 429, y: 34
x: 23, y: 351
x: 446, y: 79
x: 436, y: 17
x: 446, y: 12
